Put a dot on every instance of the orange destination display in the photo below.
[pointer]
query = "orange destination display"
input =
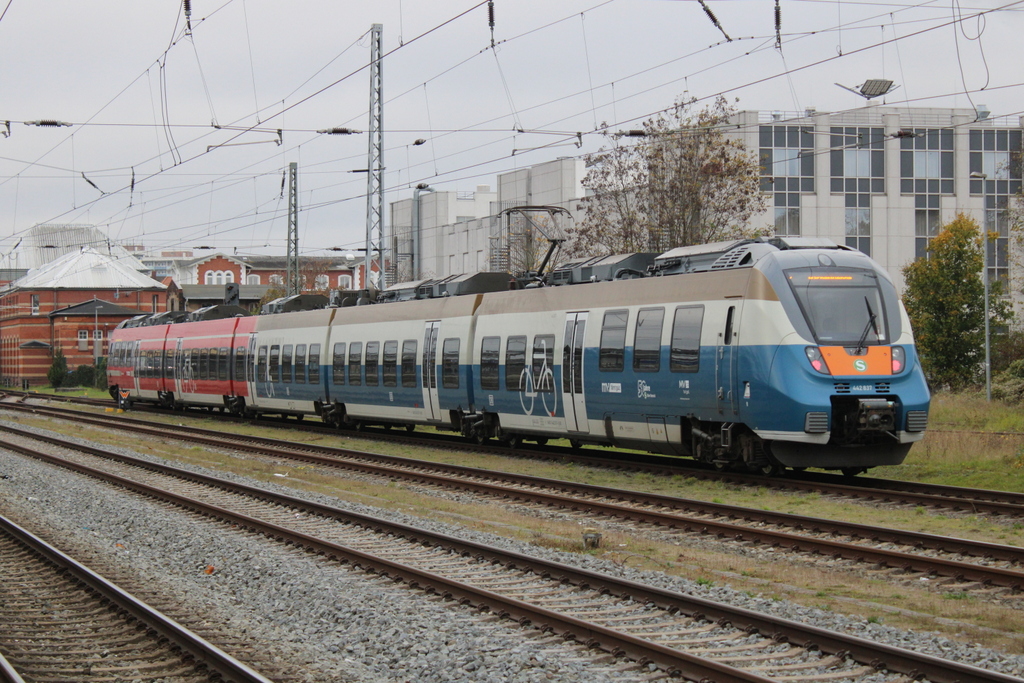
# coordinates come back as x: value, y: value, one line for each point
x: 840, y: 361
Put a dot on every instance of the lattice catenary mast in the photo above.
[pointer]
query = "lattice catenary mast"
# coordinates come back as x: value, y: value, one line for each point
x: 292, y: 277
x: 375, y: 163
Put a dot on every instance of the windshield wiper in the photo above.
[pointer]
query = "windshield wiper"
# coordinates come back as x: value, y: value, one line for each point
x: 872, y: 325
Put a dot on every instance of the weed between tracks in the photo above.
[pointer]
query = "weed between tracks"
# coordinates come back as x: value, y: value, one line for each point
x: 944, y: 456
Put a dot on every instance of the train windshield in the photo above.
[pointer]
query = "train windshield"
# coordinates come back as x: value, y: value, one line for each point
x: 842, y: 306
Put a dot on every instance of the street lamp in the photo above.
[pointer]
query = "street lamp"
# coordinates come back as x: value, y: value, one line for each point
x: 988, y: 360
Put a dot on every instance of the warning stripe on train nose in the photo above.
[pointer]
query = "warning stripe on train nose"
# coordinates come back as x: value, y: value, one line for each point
x: 877, y: 361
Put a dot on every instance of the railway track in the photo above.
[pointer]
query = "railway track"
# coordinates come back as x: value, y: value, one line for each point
x: 947, y: 564
x: 692, y: 637
x: 866, y: 490
x: 60, y: 621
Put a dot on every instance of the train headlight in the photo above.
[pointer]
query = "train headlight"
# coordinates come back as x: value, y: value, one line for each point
x: 899, y: 359
x: 816, y: 360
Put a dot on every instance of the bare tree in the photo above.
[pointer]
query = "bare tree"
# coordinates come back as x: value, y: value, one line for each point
x: 687, y: 182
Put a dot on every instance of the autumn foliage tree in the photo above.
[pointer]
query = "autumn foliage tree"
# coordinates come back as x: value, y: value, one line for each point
x: 945, y: 299
x: 686, y: 182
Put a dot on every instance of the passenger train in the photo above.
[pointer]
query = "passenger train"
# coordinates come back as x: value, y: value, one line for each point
x: 755, y: 354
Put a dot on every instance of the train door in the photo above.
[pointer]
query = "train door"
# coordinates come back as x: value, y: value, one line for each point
x: 179, y: 375
x: 250, y: 369
x: 572, y: 373
x: 137, y: 366
x: 725, y: 363
x: 429, y: 365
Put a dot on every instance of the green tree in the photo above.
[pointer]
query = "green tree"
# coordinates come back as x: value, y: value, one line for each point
x: 58, y: 371
x: 686, y: 182
x: 945, y: 299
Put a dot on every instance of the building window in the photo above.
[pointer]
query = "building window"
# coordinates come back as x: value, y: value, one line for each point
x: 35, y: 304
x: 926, y: 162
x: 322, y: 282
x: 787, y: 218
x: 992, y: 154
x: 995, y: 155
x: 252, y: 279
x: 208, y: 278
x: 926, y: 223
x: 997, y: 244
x: 857, y: 159
x: 787, y: 167
x: 345, y: 281
x: 858, y: 226
x: 276, y: 280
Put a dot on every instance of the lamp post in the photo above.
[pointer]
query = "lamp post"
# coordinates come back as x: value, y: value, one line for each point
x: 988, y: 359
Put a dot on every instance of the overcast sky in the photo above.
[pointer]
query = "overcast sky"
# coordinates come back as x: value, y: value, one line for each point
x: 143, y: 95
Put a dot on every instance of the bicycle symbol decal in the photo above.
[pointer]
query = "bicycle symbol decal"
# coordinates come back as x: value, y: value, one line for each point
x: 543, y: 385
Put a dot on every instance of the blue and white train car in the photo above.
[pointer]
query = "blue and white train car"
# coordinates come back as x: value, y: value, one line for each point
x: 750, y: 354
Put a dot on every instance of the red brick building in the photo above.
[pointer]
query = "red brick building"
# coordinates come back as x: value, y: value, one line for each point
x: 71, y: 303
x: 319, y: 273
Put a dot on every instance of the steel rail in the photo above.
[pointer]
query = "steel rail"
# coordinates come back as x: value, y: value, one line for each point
x: 199, y: 649
x: 954, y: 498
x: 865, y: 651
x: 958, y: 570
x: 7, y: 672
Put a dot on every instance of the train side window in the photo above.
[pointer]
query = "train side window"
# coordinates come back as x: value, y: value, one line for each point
x: 194, y: 363
x: 300, y: 364
x: 372, y: 363
x: 286, y: 363
x: 314, y: 364
x: 647, y: 341
x: 240, y: 354
x: 355, y: 362
x: 204, y: 364
x: 544, y: 359
x: 390, y: 365
x: 169, y: 363
x: 613, y: 341
x: 275, y: 363
x: 490, y: 362
x: 261, y: 365
x: 338, y: 363
x: 515, y: 362
x: 684, y: 354
x: 214, y: 357
x: 450, y: 363
x: 728, y: 325
x: 409, y: 363
x: 223, y: 364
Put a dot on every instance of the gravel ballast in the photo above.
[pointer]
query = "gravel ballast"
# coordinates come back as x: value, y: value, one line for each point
x: 349, y: 626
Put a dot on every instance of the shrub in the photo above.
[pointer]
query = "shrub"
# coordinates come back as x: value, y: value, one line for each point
x: 58, y: 372
x: 1009, y: 384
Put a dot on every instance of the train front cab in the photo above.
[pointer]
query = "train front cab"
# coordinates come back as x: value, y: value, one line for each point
x: 846, y: 389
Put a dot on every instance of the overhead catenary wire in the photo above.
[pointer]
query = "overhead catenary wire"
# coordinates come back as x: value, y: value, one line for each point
x: 616, y: 98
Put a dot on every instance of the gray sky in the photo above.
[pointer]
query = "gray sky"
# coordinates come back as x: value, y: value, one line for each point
x: 143, y: 95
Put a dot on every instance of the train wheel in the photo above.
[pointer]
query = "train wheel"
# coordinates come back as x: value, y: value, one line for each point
x: 359, y: 425
x: 575, y: 444
x: 480, y: 439
x: 387, y: 426
x: 853, y: 471
x: 410, y: 428
x: 541, y: 441
x: 300, y: 418
x: 513, y: 441
x: 770, y: 469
